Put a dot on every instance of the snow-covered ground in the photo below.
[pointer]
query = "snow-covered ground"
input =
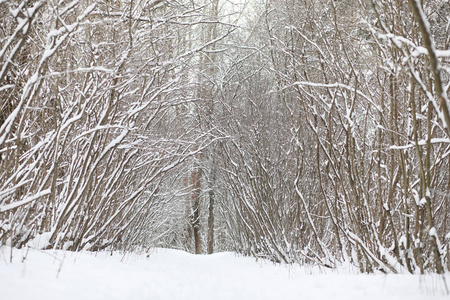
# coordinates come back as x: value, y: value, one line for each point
x: 172, y: 274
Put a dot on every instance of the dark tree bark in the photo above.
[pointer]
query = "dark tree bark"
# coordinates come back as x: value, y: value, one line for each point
x: 195, y: 207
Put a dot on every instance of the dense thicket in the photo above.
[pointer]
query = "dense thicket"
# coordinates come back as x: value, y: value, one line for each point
x: 301, y: 131
x: 345, y: 156
x: 90, y: 118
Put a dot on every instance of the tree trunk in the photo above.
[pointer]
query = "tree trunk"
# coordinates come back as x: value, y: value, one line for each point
x: 195, y: 206
x: 210, y: 241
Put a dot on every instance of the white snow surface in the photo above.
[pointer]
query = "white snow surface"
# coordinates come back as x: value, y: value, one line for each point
x: 173, y: 274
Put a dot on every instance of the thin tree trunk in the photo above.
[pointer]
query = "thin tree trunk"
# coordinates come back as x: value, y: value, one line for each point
x: 195, y: 221
x: 210, y: 241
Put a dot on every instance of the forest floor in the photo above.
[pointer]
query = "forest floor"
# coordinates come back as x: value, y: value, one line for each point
x: 176, y: 275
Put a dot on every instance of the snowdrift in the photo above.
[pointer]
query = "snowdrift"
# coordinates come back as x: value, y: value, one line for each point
x: 172, y: 274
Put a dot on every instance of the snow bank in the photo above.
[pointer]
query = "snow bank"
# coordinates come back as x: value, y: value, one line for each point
x: 172, y: 274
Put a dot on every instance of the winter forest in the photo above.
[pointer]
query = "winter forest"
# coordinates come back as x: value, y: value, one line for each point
x: 298, y: 131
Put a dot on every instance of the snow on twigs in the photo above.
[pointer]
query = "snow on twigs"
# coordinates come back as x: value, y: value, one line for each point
x: 24, y: 201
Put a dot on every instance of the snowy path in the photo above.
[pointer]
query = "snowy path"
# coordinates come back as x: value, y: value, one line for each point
x: 171, y: 274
